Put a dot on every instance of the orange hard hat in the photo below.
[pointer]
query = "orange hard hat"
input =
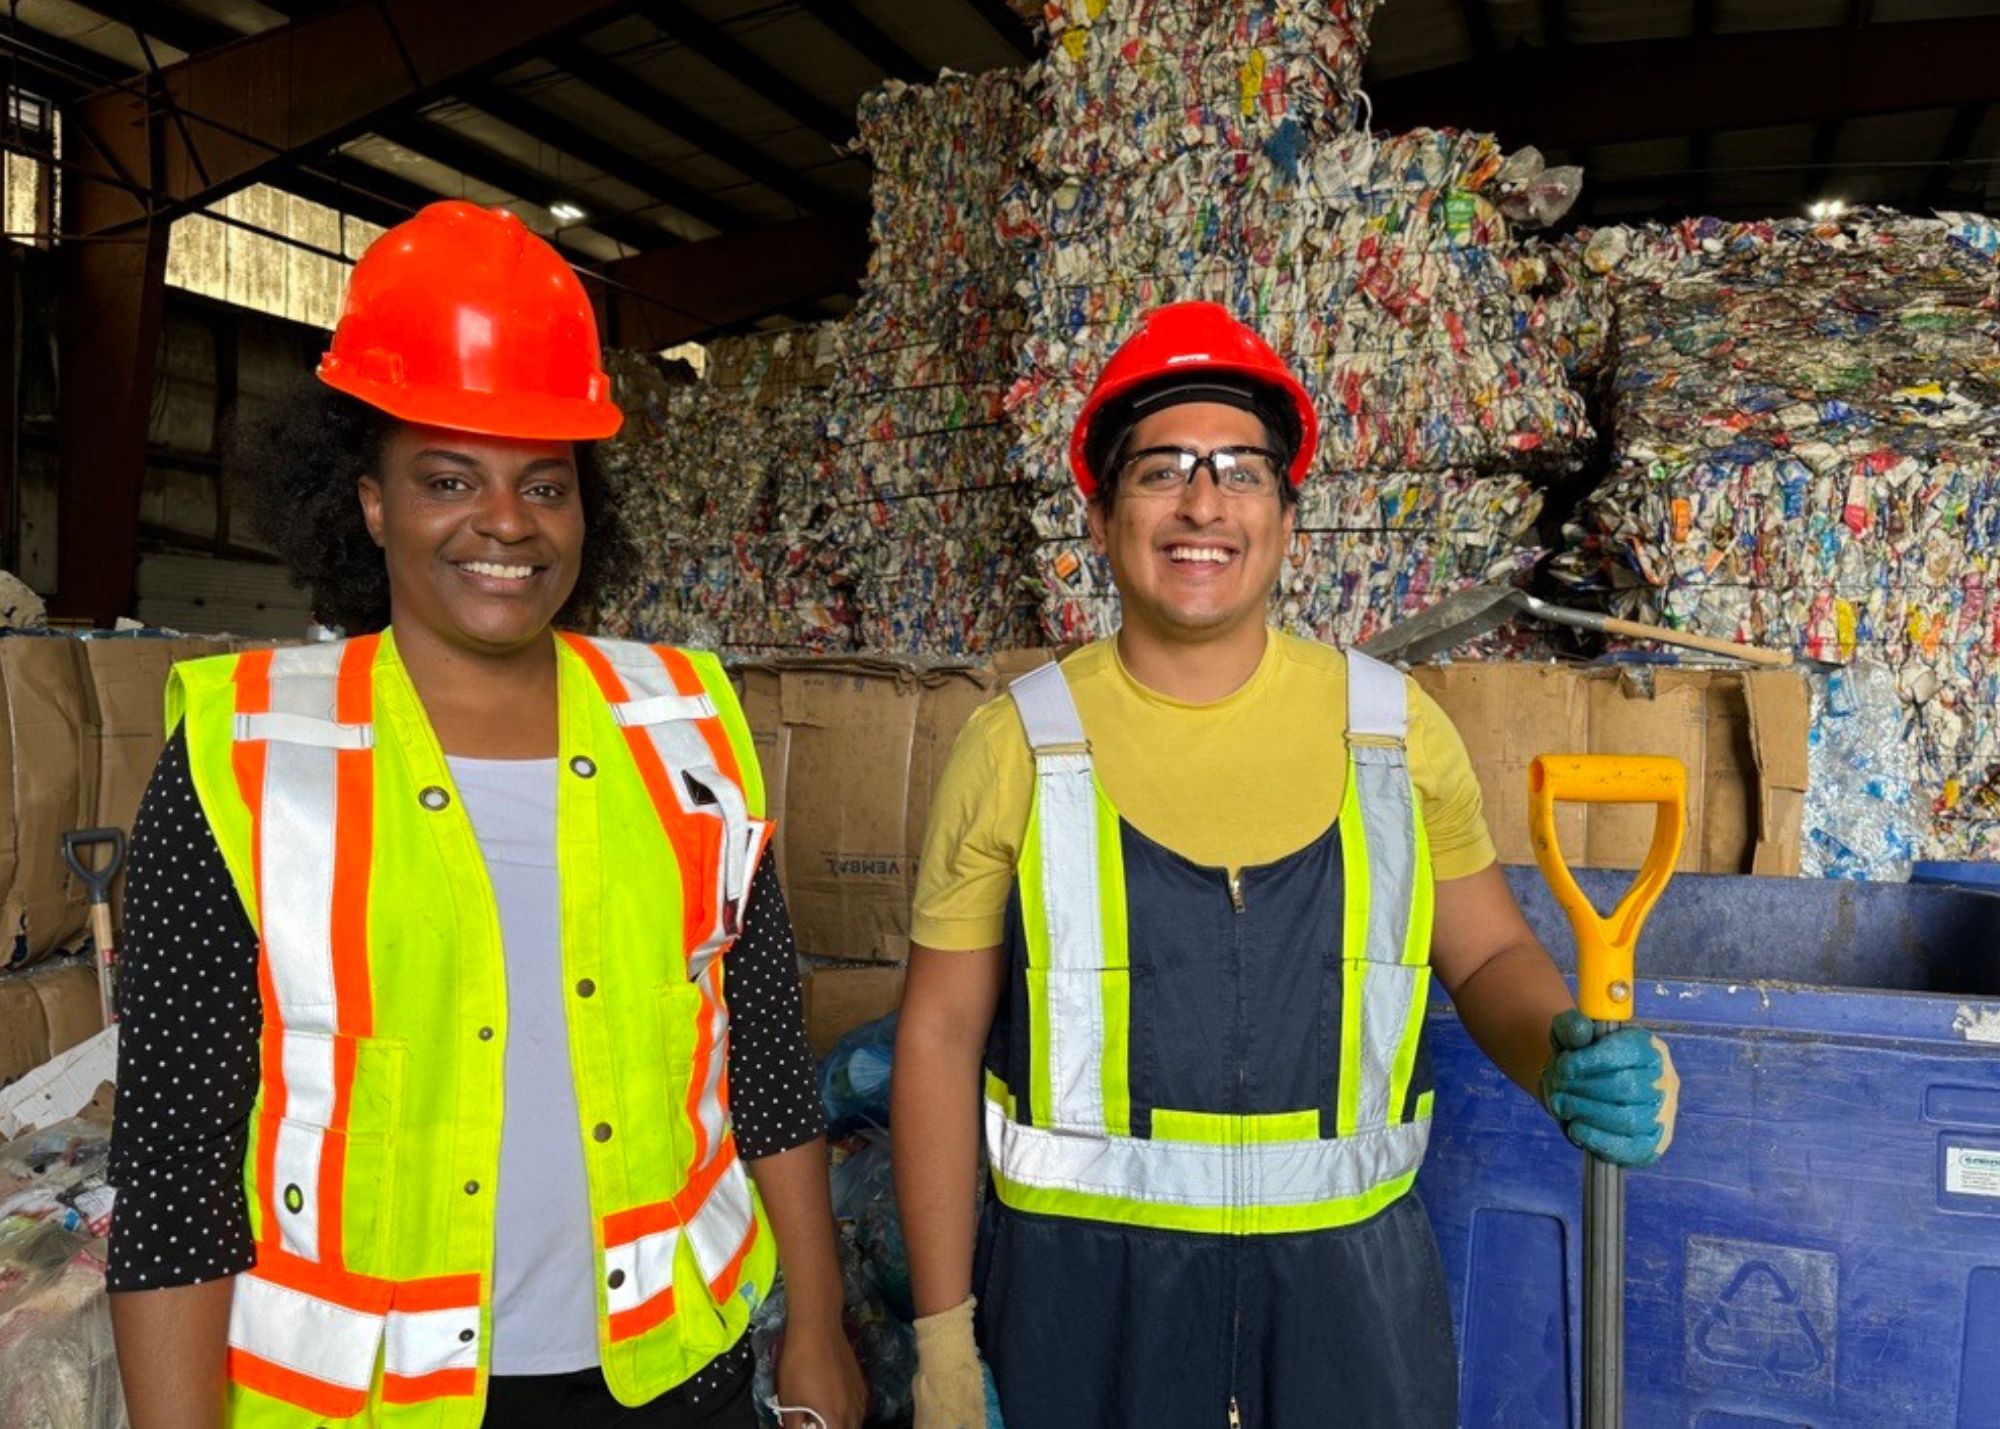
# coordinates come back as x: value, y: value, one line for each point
x: 1191, y: 341
x: 460, y: 317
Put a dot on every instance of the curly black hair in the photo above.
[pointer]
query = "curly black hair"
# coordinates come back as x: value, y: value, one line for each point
x: 302, y: 464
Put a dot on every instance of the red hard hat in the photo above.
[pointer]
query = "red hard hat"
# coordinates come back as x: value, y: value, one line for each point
x: 462, y: 318
x: 1186, y: 340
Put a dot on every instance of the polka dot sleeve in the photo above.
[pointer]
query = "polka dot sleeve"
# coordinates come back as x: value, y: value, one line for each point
x: 187, y: 1049
x: 773, y: 1093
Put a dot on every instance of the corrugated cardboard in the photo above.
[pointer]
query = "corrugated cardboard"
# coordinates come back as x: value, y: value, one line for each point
x: 128, y: 683
x: 851, y: 749
x: 69, y: 1003
x: 1741, y: 735
x: 838, y: 1000
x: 24, y: 1029
x: 51, y: 747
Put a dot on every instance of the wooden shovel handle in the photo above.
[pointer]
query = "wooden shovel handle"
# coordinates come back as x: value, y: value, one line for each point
x: 1755, y: 654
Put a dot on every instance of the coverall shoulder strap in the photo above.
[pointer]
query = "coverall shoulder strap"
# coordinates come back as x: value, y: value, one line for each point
x: 1377, y: 706
x: 1048, y: 712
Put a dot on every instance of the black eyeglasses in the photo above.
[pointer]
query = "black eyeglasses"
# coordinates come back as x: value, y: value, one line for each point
x: 1166, y: 471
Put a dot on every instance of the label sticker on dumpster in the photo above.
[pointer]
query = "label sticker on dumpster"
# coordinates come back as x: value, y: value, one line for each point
x: 1762, y: 1313
x: 1971, y: 1171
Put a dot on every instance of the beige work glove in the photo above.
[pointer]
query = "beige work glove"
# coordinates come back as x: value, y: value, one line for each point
x: 950, y: 1386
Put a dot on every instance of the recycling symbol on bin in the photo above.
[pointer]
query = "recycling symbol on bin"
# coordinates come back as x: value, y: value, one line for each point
x: 1759, y: 1324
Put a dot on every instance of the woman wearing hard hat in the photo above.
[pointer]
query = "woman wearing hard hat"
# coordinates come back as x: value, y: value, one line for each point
x: 461, y: 1074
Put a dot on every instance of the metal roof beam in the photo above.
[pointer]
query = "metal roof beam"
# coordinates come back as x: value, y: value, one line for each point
x: 692, y: 290
x: 1965, y: 127
x: 1613, y: 93
x: 183, y: 29
x: 860, y: 35
x: 444, y: 145
x: 1008, y: 25
x: 261, y: 103
x: 720, y: 49
x: 608, y: 79
x: 608, y: 158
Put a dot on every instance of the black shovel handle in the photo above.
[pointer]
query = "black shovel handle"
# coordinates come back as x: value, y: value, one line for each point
x: 97, y: 881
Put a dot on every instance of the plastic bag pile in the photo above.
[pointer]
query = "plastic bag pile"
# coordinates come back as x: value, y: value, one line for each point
x: 1805, y: 435
x: 1203, y: 151
x: 57, y: 1366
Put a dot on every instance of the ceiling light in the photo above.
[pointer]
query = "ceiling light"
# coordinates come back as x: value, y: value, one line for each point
x: 1820, y: 210
x: 567, y: 212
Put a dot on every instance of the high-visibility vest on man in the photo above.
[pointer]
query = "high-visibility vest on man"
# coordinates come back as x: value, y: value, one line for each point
x: 375, y: 1142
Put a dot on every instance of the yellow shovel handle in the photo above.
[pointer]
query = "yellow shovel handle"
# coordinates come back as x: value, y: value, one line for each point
x: 1604, y: 946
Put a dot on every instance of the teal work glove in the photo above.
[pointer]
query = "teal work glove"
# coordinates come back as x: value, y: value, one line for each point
x: 1616, y: 1096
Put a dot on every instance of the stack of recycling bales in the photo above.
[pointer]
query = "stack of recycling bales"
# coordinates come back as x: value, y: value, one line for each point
x: 928, y: 509
x: 717, y: 483
x: 1201, y: 151
x: 1805, y: 439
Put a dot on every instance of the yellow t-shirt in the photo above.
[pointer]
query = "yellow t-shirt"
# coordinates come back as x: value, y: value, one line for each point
x: 1241, y: 781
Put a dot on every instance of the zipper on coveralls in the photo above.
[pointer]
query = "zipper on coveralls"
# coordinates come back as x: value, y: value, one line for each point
x: 1236, y: 1261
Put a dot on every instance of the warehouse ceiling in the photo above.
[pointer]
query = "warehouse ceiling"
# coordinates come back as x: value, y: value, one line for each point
x: 647, y: 127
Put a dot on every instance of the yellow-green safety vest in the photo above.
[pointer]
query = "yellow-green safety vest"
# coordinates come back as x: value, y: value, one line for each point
x: 375, y: 1139
x: 1076, y: 1154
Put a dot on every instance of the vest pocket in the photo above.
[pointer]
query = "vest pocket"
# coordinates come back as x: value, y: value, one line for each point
x: 330, y: 1158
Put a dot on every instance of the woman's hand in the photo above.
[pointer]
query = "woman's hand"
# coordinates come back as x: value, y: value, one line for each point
x: 817, y: 1371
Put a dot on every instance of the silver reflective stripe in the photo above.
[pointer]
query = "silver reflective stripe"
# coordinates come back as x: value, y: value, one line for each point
x: 663, y: 709
x: 302, y: 1332
x: 297, y: 835
x: 1378, y: 705
x: 709, y: 1107
x: 716, y: 1233
x: 304, y: 729
x: 1066, y: 810
x: 1191, y: 1173
x: 307, y: 1058
x: 421, y: 1342
x: 647, y: 1266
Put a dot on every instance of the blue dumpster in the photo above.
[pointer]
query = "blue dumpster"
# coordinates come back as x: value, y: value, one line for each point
x: 1822, y: 1245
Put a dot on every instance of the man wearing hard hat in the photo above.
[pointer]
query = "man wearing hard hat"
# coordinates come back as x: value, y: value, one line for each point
x: 1181, y: 900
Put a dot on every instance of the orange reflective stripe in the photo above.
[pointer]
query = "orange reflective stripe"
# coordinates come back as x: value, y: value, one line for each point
x: 415, y: 1389
x: 353, y: 854
x: 369, y: 1294
x: 252, y: 677
x: 315, y: 1395
x: 623, y: 1227
x: 440, y: 1292
x: 640, y: 1318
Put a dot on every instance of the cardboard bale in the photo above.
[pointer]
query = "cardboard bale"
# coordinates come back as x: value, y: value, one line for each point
x: 838, y: 1000
x: 851, y: 749
x: 51, y: 748
x: 128, y: 685
x: 1740, y: 734
x: 24, y: 1030
x: 68, y: 995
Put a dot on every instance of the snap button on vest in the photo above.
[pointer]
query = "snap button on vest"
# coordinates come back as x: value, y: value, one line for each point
x: 295, y: 1199
x: 467, y: 1336
x: 615, y: 1279
x: 471, y: 1188
x: 434, y: 798
x: 602, y: 1131
x: 582, y: 767
x: 585, y: 987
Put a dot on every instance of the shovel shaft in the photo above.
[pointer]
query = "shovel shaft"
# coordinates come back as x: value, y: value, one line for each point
x: 1603, y: 1289
x: 107, y: 960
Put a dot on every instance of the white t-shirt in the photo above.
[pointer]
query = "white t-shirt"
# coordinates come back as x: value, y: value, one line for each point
x: 544, y: 1263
